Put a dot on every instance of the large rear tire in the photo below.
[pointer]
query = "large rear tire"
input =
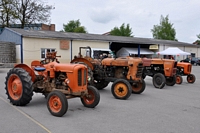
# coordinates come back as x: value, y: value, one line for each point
x: 121, y: 89
x: 57, y: 103
x: 92, y: 99
x: 139, y: 87
x: 179, y: 79
x: 100, y: 85
x: 171, y: 81
x: 159, y: 80
x: 191, y: 78
x: 143, y: 75
x: 18, y: 86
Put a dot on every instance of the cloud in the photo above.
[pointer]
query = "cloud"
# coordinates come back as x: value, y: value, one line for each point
x: 102, y: 15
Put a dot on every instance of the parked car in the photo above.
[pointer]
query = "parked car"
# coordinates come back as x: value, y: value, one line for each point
x: 194, y: 61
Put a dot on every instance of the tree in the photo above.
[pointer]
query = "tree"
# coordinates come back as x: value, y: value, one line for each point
x: 74, y: 26
x: 6, y: 13
x: 198, y: 40
x: 25, y: 11
x: 122, y: 31
x: 165, y: 30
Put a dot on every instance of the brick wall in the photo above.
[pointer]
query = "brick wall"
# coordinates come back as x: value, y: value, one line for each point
x: 48, y: 27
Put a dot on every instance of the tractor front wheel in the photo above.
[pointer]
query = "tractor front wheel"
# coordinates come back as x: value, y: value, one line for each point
x: 171, y: 81
x: 139, y: 87
x: 191, y: 78
x: 179, y: 79
x: 159, y: 80
x: 121, y: 89
x: 57, y: 103
x: 18, y: 86
x: 91, y: 99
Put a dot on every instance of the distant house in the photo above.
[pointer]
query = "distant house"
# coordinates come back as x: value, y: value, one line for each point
x: 40, y: 26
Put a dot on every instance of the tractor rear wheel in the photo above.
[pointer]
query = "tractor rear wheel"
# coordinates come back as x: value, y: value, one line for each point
x: 91, y: 99
x: 57, y: 103
x: 171, y: 81
x: 159, y: 80
x: 191, y: 78
x: 18, y: 86
x: 100, y: 84
x: 143, y: 75
x: 179, y: 79
x: 121, y: 89
x: 139, y: 87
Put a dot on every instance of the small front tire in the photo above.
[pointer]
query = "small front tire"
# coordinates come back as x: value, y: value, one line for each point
x: 91, y: 99
x: 121, y: 89
x: 139, y: 87
x: 191, y: 78
x: 57, y: 103
x: 179, y: 79
x: 159, y: 80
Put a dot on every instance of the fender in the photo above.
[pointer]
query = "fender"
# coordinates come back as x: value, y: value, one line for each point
x: 83, y: 60
x: 28, y: 69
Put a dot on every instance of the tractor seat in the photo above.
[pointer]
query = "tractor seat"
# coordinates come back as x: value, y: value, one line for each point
x: 40, y: 69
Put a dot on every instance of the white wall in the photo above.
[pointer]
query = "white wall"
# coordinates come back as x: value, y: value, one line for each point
x: 32, y: 49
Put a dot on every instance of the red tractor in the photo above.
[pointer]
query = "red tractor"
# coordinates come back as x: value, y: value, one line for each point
x: 162, y: 71
x: 57, y: 81
x: 184, y: 69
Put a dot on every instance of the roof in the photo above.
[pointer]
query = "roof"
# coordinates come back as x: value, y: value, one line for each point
x: 97, y: 37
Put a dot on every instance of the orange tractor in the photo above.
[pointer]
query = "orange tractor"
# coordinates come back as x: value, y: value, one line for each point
x: 162, y: 71
x: 125, y: 73
x: 58, y: 82
x: 184, y: 69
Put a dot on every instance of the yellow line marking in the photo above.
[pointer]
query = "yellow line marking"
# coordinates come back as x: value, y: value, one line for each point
x: 30, y: 118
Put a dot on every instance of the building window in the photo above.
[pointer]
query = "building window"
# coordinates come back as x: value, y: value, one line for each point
x: 45, y: 50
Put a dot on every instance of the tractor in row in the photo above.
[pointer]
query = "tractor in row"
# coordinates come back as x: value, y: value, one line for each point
x: 125, y: 73
x: 184, y: 69
x: 162, y: 71
x: 57, y: 81
x: 167, y: 72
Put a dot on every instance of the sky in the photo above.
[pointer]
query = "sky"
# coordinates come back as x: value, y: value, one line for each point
x: 100, y: 16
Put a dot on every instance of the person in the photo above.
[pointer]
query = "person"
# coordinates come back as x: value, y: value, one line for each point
x: 171, y: 57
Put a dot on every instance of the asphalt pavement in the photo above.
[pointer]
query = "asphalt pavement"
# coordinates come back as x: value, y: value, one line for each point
x: 169, y: 110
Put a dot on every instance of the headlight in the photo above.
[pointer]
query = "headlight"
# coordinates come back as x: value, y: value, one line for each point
x: 67, y: 81
x: 89, y: 78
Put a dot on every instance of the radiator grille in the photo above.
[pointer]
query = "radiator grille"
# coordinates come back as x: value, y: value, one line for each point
x: 139, y: 70
x: 79, y: 77
x: 82, y: 77
x: 85, y: 77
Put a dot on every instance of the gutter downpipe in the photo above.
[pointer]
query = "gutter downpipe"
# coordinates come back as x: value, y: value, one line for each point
x: 138, y: 50
x: 71, y: 49
x: 21, y: 49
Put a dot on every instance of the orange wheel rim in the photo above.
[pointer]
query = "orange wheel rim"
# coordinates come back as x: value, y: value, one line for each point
x: 89, y: 99
x: 15, y: 88
x: 55, y: 104
x: 178, y: 80
x: 137, y: 87
x: 120, y: 90
x: 190, y: 79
